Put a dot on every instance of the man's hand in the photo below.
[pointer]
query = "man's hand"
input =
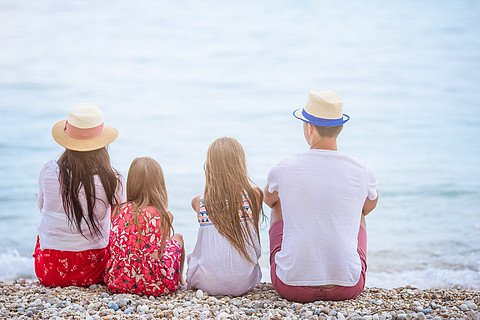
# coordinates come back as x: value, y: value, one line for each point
x: 369, y: 205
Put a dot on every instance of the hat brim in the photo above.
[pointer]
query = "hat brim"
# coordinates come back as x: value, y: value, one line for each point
x: 322, y: 122
x: 62, y: 138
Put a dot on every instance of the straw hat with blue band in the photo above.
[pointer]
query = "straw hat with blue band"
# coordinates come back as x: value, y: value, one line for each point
x: 323, y: 108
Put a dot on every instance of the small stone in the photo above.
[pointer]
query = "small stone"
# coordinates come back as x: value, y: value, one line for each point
x: 112, y: 305
x: 199, y: 294
x: 104, y: 295
x: 463, y: 307
x: 249, y: 312
x: 176, y: 314
x: 472, y: 306
x: 340, y: 316
x: 375, y: 317
x: 257, y: 305
x: 401, y: 316
x: 93, y: 287
x: 128, y: 311
x: 122, y: 302
x: 420, y: 316
x: 142, y: 308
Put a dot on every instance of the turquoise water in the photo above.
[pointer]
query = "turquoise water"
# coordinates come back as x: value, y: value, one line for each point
x: 172, y: 77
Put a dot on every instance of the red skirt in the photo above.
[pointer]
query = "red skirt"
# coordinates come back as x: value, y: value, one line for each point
x: 55, y: 268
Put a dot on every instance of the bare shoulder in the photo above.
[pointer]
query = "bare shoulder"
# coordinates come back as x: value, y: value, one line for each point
x: 196, y: 203
x: 258, y: 192
x: 258, y: 195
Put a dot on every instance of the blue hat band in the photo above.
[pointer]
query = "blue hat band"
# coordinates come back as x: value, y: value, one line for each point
x: 324, y: 122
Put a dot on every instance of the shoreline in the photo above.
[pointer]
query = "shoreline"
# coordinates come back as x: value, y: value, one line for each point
x: 22, y: 299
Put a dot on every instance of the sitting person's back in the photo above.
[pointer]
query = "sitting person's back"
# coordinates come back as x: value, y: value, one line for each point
x: 147, y: 256
x: 75, y: 197
x: 318, y: 246
x: 225, y: 258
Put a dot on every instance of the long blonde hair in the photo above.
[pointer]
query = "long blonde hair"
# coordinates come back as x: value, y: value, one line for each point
x: 146, y: 187
x: 226, y: 180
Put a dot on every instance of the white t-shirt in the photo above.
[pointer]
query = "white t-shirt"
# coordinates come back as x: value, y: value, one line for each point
x: 54, y: 231
x: 322, y: 193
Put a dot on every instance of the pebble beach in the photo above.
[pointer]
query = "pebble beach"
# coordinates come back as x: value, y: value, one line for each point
x: 21, y: 299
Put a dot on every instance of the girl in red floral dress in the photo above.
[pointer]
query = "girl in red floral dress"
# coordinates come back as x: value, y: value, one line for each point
x: 145, y: 258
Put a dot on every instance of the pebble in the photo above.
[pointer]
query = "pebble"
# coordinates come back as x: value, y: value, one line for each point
x: 199, y: 294
x: 142, y: 308
x: 112, y: 305
x: 472, y: 306
x: 93, y: 287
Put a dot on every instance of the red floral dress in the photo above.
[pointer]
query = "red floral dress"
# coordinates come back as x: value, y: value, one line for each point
x: 131, y: 267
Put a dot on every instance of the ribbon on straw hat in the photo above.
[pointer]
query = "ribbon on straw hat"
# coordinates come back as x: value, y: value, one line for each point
x: 84, y: 129
x: 323, y: 108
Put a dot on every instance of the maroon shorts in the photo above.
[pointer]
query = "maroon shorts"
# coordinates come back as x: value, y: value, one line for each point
x: 307, y: 294
x: 55, y: 268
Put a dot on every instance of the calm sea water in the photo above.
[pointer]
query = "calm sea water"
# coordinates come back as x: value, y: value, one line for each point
x: 174, y: 76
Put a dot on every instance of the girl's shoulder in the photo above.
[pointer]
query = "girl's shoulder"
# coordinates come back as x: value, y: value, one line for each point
x: 202, y: 214
x: 258, y: 192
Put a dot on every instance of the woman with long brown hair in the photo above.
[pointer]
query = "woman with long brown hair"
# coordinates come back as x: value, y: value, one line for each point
x: 225, y: 258
x: 147, y: 256
x: 75, y: 197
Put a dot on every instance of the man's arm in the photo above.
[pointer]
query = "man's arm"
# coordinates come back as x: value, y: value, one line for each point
x: 369, y: 205
x: 270, y: 198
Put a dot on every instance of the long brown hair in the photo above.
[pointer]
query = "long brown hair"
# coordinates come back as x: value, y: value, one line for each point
x: 146, y: 187
x: 77, y: 170
x: 226, y: 180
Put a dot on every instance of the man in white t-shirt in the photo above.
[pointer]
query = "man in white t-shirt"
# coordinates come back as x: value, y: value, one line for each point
x: 319, y: 198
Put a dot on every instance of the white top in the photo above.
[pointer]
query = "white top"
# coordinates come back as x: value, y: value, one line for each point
x: 322, y: 193
x: 216, y: 267
x: 54, y: 231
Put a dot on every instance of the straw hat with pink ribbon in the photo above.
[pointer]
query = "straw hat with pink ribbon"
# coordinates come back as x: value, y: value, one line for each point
x: 84, y: 129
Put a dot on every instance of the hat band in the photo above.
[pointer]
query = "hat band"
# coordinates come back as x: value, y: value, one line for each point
x: 83, y: 134
x: 322, y: 121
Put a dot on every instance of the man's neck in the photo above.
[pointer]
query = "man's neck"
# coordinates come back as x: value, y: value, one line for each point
x: 324, y: 144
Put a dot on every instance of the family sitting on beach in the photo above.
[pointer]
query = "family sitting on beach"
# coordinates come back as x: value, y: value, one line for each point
x: 95, y: 228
